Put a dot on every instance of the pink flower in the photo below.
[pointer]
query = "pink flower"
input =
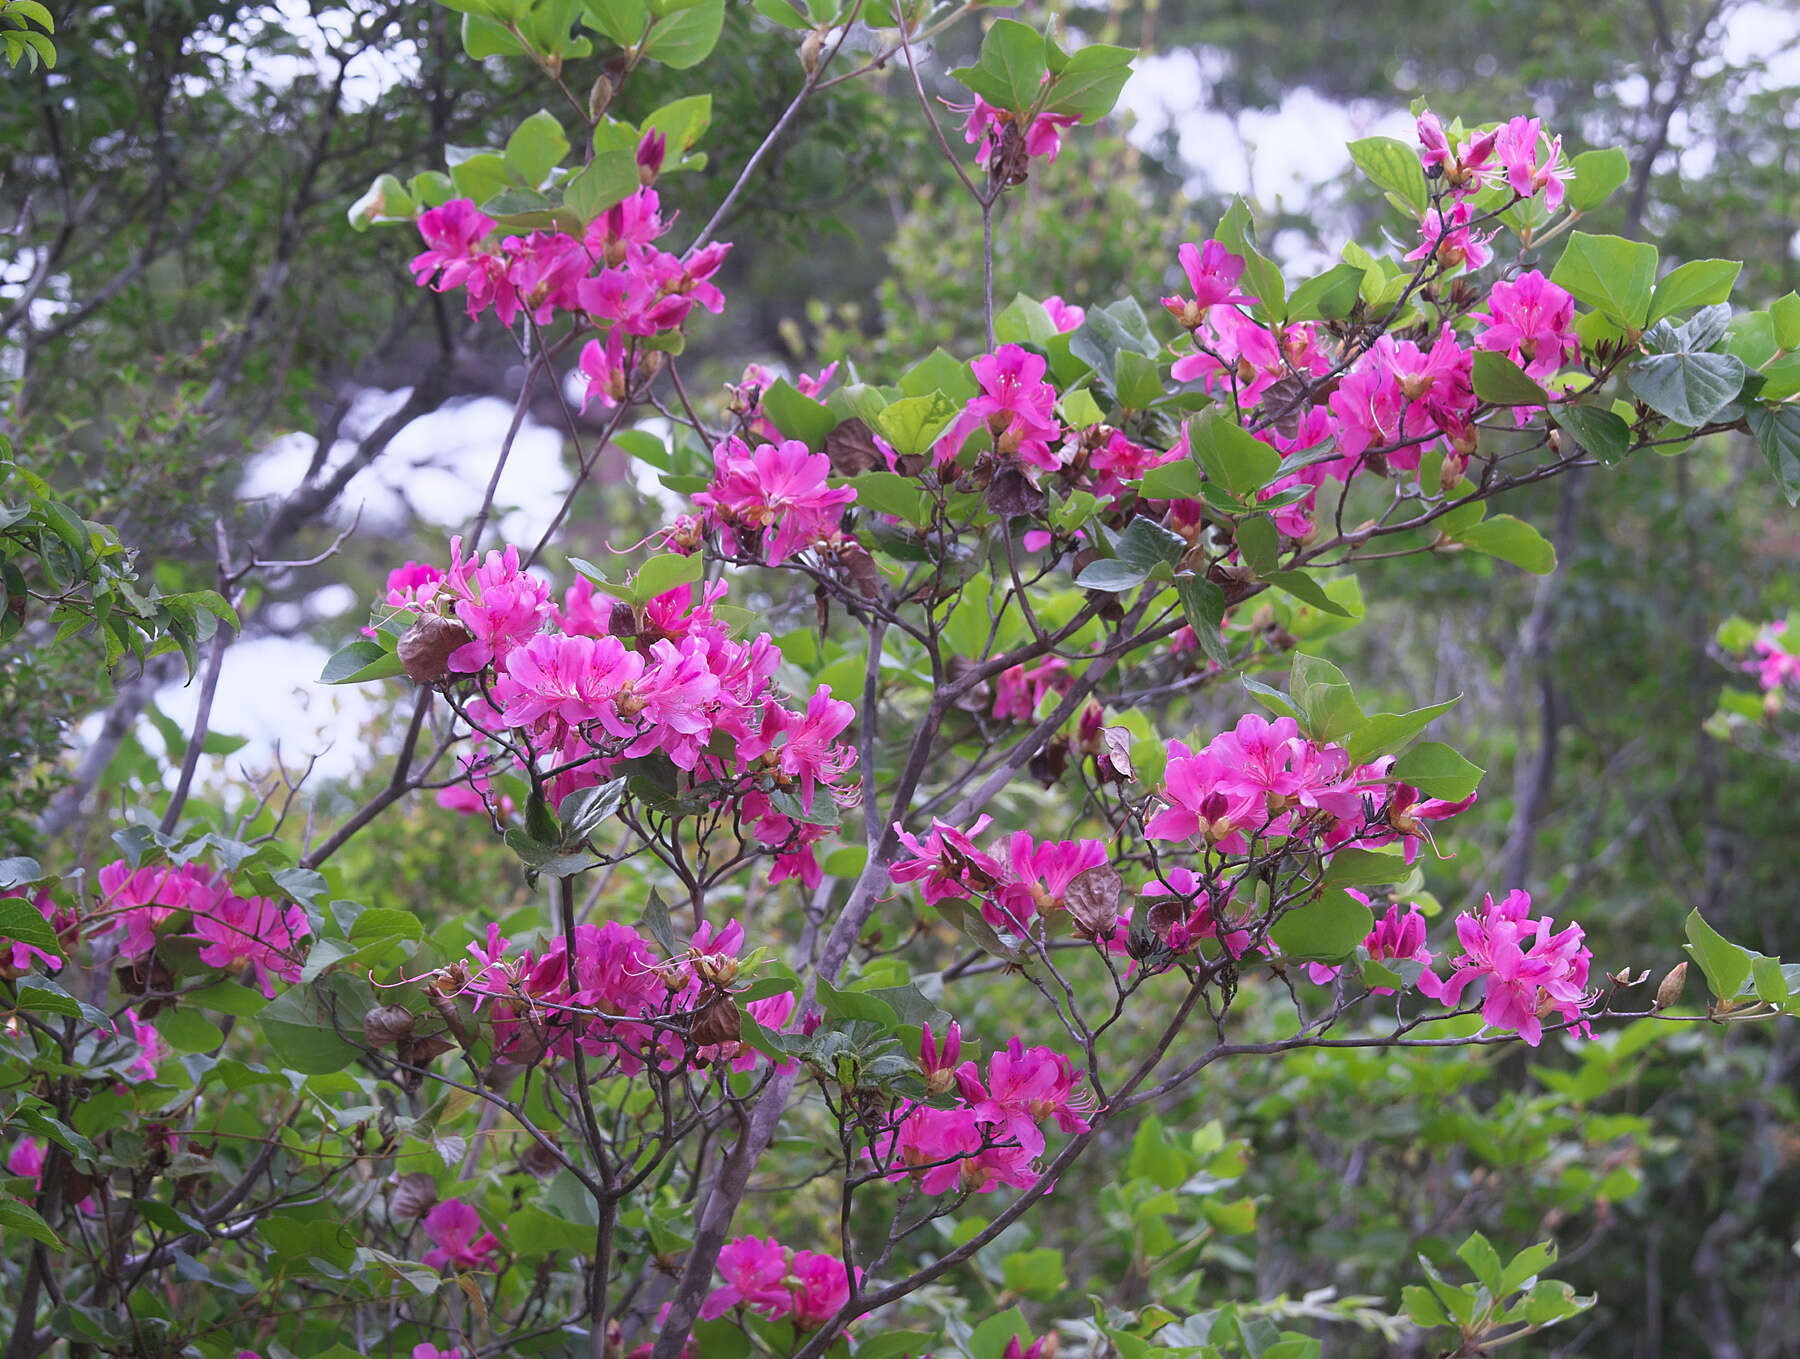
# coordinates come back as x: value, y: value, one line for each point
x: 412, y: 586
x: 427, y: 1350
x: 1024, y: 1087
x: 986, y: 125
x: 821, y: 1287
x: 947, y: 862
x: 452, y: 1227
x: 1204, y: 797
x: 939, y: 1062
x: 1201, y: 921
x: 778, y: 487
x: 151, y: 1049
x: 453, y: 234
x: 1018, y: 691
x: 811, y: 752
x: 258, y: 931
x: 1213, y: 273
x: 16, y: 956
x: 1532, y: 322
x: 1530, y: 168
x: 1041, y: 877
x: 604, y: 368
x: 1016, y: 406
x: 1396, y: 937
x: 755, y: 1274
x: 1466, y: 170
x: 1449, y: 236
x: 501, y: 605
x: 1407, y: 813
x: 142, y: 899
x: 1065, y: 316
x: 1774, y: 664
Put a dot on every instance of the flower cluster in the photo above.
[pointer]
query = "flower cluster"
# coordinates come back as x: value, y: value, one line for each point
x: 457, y: 1239
x: 1264, y: 781
x: 993, y: 1134
x: 990, y: 130
x: 1773, y: 664
x: 579, y: 688
x: 775, y: 495
x: 618, y: 1001
x: 804, y: 1287
x: 233, y: 932
x: 612, y: 277
x: 1527, y: 967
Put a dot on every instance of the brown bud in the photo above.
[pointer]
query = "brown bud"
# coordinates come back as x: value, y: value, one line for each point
x: 717, y: 1022
x: 414, y: 1196
x: 417, y: 1051
x: 425, y: 648
x: 1116, y: 757
x: 1669, y: 991
x: 386, y: 1025
x: 809, y: 50
x: 859, y: 566
x: 1093, y: 900
x: 623, y: 621
x: 599, y: 97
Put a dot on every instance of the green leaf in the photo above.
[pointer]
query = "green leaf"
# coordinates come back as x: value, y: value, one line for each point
x: 483, y: 38
x: 1483, y: 1261
x: 1438, y: 771
x: 914, y: 423
x: 889, y: 1345
x: 939, y: 371
x: 1302, y: 585
x: 1770, y: 981
x: 991, y: 1338
x: 668, y: 571
x: 797, y: 416
x: 536, y: 146
x: 1688, y: 387
x: 681, y: 123
x: 364, y: 659
x: 1138, y: 383
x: 1204, y: 604
x: 1327, y: 930
x: 1386, y: 733
x: 1331, y: 296
x: 1035, y: 1274
x: 1231, y: 455
x: 1327, y: 705
x: 1501, y: 381
x: 16, y: 1217
x: 303, y: 1034
x: 1726, y: 966
x: 781, y: 12
x: 1088, y: 86
x: 1611, y: 274
x: 687, y: 38
x: 1353, y: 867
x: 1511, y: 540
x: 1171, y: 481
x: 1777, y: 433
x: 611, y: 178
x: 1014, y: 53
x: 20, y: 920
x: 385, y: 922
x: 1598, y: 175
x: 891, y: 493
x: 1698, y: 283
x: 1598, y: 431
x: 1524, y: 1267
x: 186, y: 1031
x: 1394, y: 167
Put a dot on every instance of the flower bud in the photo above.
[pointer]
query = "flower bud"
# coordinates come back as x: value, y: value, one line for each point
x: 718, y: 1022
x: 599, y: 97
x: 809, y: 50
x: 650, y: 155
x: 1670, y: 989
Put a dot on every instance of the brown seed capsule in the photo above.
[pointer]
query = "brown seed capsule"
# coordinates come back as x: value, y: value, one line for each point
x: 1093, y: 900
x: 539, y: 1160
x: 414, y: 1196
x: 387, y: 1024
x: 717, y: 1022
x: 425, y: 648
x: 1670, y: 990
x: 599, y: 96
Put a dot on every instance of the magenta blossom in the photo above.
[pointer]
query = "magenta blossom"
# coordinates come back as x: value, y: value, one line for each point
x: 1533, y: 162
x: 458, y: 1241
x: 1527, y: 971
x: 1532, y: 322
x: 1213, y: 273
x: 258, y: 931
x: 778, y: 490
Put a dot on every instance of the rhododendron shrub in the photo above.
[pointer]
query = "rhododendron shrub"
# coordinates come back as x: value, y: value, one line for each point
x: 911, y: 701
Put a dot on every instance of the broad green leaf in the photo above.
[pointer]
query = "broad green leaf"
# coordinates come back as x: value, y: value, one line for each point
x: 1698, y: 283
x: 1014, y: 52
x: 665, y: 572
x: 1483, y: 1261
x: 1526, y: 1266
x: 1777, y: 433
x: 1438, y: 771
x: 796, y: 415
x: 1726, y: 966
x: 914, y: 423
x: 1331, y: 296
x: 1394, y: 167
x: 1326, y: 930
x: 1386, y: 733
x: 16, y: 1218
x: 1204, y: 604
x: 1501, y: 381
x: 536, y: 146
x: 362, y: 660
x: 686, y: 38
x: 891, y: 493
x: 1231, y: 455
x: 1304, y: 586
x: 1690, y: 387
x: 1610, y: 274
x: 1598, y: 175
x: 19, y: 920
x: 1598, y: 431
x: 611, y: 178
x: 1511, y: 540
x: 1353, y: 867
x: 1088, y: 86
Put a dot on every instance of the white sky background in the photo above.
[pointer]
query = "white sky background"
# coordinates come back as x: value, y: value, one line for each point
x: 437, y: 468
